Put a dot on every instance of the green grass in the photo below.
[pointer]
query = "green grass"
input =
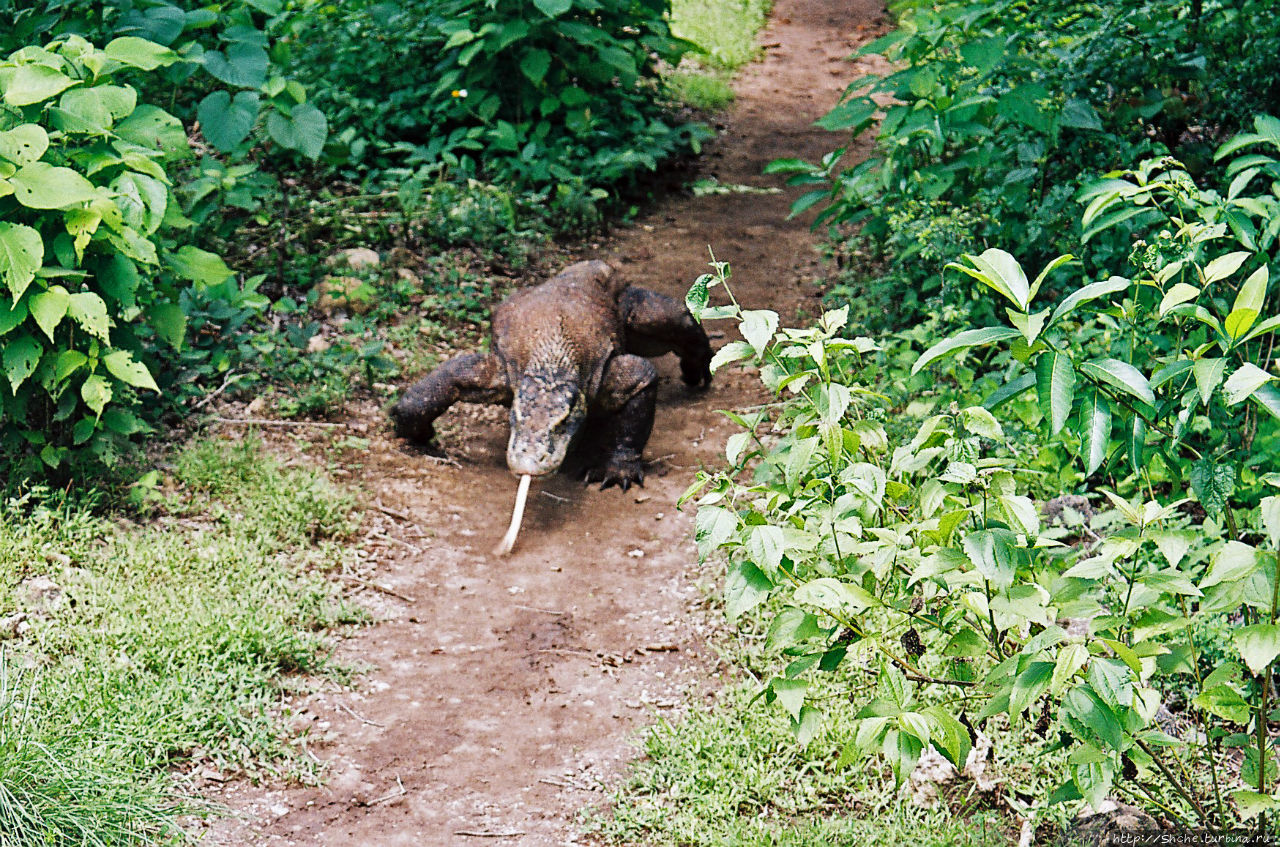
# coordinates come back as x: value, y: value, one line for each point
x: 705, y: 89
x: 723, y: 30
x: 734, y: 775
x: 167, y: 641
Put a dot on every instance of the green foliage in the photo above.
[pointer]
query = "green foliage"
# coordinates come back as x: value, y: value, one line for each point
x: 998, y: 111
x: 90, y: 258
x: 923, y: 561
x: 159, y: 645
x: 722, y: 31
x: 535, y: 94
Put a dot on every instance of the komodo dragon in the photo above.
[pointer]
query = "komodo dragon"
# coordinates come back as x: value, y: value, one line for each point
x: 561, y: 353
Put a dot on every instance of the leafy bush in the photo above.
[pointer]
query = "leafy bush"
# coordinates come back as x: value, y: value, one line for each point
x: 92, y: 269
x: 923, y: 561
x: 995, y: 114
x: 548, y: 92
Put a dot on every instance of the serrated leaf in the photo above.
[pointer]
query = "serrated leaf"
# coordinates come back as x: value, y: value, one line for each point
x: 732, y: 352
x: 1029, y: 685
x: 1224, y: 702
x: 765, y: 546
x: 1234, y: 562
x: 1055, y: 388
x: 1071, y: 659
x: 1208, y: 374
x: 89, y: 310
x: 758, y: 327
x: 1022, y: 514
x: 1084, y: 705
x: 96, y: 393
x: 1123, y: 376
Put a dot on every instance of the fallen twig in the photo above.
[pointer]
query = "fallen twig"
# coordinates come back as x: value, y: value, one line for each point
x: 475, y: 833
x: 344, y: 707
x: 376, y: 587
x: 395, y: 513
x: 391, y: 795
x: 226, y: 383
x: 536, y: 609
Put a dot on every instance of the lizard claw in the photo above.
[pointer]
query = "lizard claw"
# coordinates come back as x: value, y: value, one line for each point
x: 622, y: 472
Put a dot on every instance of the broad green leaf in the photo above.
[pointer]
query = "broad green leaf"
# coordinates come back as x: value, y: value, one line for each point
x: 790, y: 693
x: 1055, y: 388
x: 1174, y: 543
x: 1028, y: 325
x: 979, y: 421
x: 1258, y: 645
x: 49, y: 307
x: 553, y: 8
x: 1089, y: 709
x: 96, y: 393
x: 1177, y: 295
x: 21, y: 355
x: 1137, y: 442
x: 765, y: 546
x: 534, y: 64
x: 12, y: 317
x: 1237, y: 323
x: 1234, y: 562
x: 1247, y: 379
x: 1079, y: 114
x: 950, y: 737
x: 999, y: 271
x: 1208, y: 373
x: 758, y: 327
x: 24, y: 144
x: 140, y: 53
x: 732, y: 352
x: 962, y: 341
x: 243, y: 65
x: 713, y: 526
x: 745, y: 587
x: 155, y: 129
x: 40, y: 185
x: 1092, y: 291
x: 1008, y: 391
x: 27, y: 84
x: 838, y: 598
x: 121, y: 365
x: 1270, y: 513
x: 200, y: 266
x: 1251, y: 803
x: 1095, y: 430
x: 1224, y: 702
x: 226, y: 121
x: 89, y: 310
x: 304, y: 129
x: 1123, y: 376
x: 1224, y: 266
x: 1029, y: 685
x: 21, y: 255
x: 1111, y: 681
x: 1212, y: 483
x: 851, y: 114
x: 1267, y: 398
x: 1253, y: 293
x: 1071, y: 659
x: 989, y: 552
x: 1022, y: 514
x: 916, y: 724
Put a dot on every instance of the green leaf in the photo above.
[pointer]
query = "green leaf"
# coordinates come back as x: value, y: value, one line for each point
x: 1092, y: 291
x: 27, y: 84
x: 24, y: 144
x: 979, y: 421
x: 842, y: 599
x: 199, y: 266
x: 1095, y: 430
x: 745, y: 587
x: 765, y: 545
x: 1079, y: 114
x: 1137, y: 442
x: 140, y: 53
x: 89, y: 310
x: 1008, y: 391
x: 553, y: 8
x: 121, y: 365
x: 1022, y: 514
x: 40, y: 185
x: 1267, y: 398
x: 96, y: 393
x: 1022, y: 104
x: 49, y: 307
x: 243, y: 65
x: 963, y: 341
x: 1029, y: 685
x: 21, y: 355
x: 1208, y: 374
x: 988, y: 550
x: 21, y: 255
x: 851, y: 114
x: 1224, y: 266
x: 304, y: 130
x: 1177, y: 295
x: 1251, y: 803
x: 12, y: 317
x: 1123, y: 376
x: 790, y: 693
x: 758, y: 327
x: 1269, y: 511
x: 999, y: 271
x: 1085, y: 706
x: 1055, y: 388
x: 950, y: 737
x: 1247, y: 379
x: 226, y: 121
x: 1258, y: 645
x: 155, y: 129
x: 1071, y: 659
x: 169, y: 322
x: 1224, y: 702
x: 535, y: 64
x: 1234, y: 562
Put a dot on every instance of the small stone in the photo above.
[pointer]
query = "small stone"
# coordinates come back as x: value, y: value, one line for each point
x: 345, y: 293
x: 355, y: 258
x: 636, y: 553
x: 318, y: 344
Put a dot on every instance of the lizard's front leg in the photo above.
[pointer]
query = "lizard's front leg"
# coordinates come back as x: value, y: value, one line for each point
x: 627, y: 399
x: 470, y: 378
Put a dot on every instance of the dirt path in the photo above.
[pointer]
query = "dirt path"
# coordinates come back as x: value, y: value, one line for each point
x: 506, y: 692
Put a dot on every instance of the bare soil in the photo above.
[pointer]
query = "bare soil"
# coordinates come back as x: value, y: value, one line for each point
x: 505, y: 693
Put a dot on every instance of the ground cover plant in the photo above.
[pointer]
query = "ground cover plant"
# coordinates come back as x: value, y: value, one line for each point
x: 137, y: 649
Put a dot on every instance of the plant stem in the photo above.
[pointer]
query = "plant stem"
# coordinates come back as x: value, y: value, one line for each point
x: 1173, y: 781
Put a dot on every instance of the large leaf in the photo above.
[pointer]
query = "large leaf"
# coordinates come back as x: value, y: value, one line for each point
x: 1092, y: 291
x: 140, y: 53
x: 1247, y: 379
x: 1095, y: 430
x: 304, y: 129
x: 49, y: 307
x: 745, y: 587
x: 121, y: 365
x: 200, y: 266
x: 226, y: 121
x: 24, y: 144
x: 96, y: 393
x: 1258, y: 645
x: 90, y: 311
x: 27, y: 84
x: 21, y: 355
x: 963, y: 341
x: 242, y: 65
x: 1123, y: 376
x: 21, y: 255
x: 999, y: 271
x: 40, y: 185
x: 1055, y: 388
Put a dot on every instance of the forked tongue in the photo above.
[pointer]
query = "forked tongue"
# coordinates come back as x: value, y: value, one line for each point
x: 517, y: 515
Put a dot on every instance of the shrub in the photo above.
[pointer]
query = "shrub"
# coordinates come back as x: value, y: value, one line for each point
x: 89, y: 247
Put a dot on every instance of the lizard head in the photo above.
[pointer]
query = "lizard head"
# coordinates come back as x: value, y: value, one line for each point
x: 546, y: 413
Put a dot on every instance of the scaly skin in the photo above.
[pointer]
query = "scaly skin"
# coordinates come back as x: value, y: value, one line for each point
x: 565, y: 354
